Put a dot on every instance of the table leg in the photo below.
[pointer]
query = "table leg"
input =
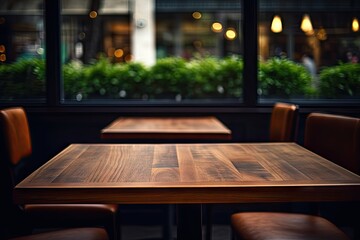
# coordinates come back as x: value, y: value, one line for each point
x: 189, y: 226
x: 168, y: 224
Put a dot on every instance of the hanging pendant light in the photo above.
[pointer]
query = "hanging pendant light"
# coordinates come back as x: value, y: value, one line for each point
x: 276, y: 25
x: 355, y: 25
x: 306, y: 25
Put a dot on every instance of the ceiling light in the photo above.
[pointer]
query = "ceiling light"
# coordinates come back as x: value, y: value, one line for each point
x: 230, y: 34
x: 276, y: 25
x: 196, y: 15
x: 355, y: 25
x: 306, y: 25
x: 216, y: 27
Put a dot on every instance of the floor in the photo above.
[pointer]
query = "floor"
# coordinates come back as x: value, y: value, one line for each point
x: 137, y: 232
x: 149, y: 222
x: 143, y: 227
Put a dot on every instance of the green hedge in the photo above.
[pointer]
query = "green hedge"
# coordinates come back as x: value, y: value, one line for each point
x: 23, y: 79
x: 342, y: 81
x: 176, y: 78
x: 169, y: 78
x: 283, y: 78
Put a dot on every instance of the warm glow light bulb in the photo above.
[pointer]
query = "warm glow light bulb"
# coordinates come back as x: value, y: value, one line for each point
x: 355, y: 25
x: 306, y: 25
x: 216, y: 27
x: 276, y: 25
x: 93, y: 14
x: 196, y: 15
x: 119, y: 53
x: 230, y: 34
x: 2, y: 57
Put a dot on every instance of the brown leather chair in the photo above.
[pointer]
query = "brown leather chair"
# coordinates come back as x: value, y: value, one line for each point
x: 283, y: 122
x: 334, y: 137
x: 283, y: 127
x: 271, y: 225
x: 16, y: 148
x: 68, y: 234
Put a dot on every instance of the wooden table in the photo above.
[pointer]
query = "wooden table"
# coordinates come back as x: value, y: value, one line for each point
x: 191, y: 128
x: 165, y: 129
x: 188, y: 175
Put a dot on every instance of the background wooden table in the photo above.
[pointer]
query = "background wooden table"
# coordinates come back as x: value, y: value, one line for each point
x: 187, y: 174
x: 191, y: 128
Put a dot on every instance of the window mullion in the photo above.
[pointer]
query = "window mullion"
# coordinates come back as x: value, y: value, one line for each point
x: 53, y: 52
x: 250, y: 12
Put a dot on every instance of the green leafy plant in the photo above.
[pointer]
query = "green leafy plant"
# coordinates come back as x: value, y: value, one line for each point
x: 74, y: 84
x: 205, y: 78
x: 283, y: 78
x: 342, y: 81
x: 168, y: 78
x: 231, y: 76
x: 23, y: 79
x: 215, y: 77
x: 133, y: 80
x: 176, y: 78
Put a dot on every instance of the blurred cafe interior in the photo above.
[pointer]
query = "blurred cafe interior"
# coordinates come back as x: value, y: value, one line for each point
x: 76, y: 66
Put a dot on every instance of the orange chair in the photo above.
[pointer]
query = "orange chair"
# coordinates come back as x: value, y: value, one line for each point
x: 283, y: 122
x: 334, y: 137
x: 15, y: 148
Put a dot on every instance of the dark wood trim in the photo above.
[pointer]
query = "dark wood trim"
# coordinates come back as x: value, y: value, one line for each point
x: 250, y: 52
x: 53, y: 52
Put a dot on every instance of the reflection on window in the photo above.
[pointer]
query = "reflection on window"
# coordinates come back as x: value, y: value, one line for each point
x: 315, y: 55
x: 198, y: 34
x: 147, y: 50
x: 22, y: 51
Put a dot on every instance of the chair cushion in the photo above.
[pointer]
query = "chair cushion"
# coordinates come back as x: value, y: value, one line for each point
x: 278, y: 226
x: 69, y: 234
x: 71, y: 214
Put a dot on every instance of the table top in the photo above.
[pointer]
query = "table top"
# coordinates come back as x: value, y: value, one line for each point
x: 207, y: 127
x: 187, y: 173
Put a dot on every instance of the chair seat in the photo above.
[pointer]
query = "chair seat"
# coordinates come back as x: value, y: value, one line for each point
x: 70, y: 214
x: 68, y: 234
x: 278, y: 226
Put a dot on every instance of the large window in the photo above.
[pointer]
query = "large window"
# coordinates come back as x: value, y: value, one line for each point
x: 22, y: 51
x: 95, y: 39
x: 208, y: 37
x: 148, y: 51
x: 214, y: 52
x: 309, y: 50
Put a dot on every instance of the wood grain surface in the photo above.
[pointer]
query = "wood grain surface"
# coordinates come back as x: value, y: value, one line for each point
x: 187, y: 173
x: 207, y: 127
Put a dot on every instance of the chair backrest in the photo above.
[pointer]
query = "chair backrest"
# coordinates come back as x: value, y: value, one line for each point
x: 283, y: 122
x: 334, y: 137
x: 15, y: 145
x: 15, y: 135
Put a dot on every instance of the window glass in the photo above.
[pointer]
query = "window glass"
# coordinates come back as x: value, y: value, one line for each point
x: 150, y: 50
x: 309, y: 50
x: 22, y: 51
